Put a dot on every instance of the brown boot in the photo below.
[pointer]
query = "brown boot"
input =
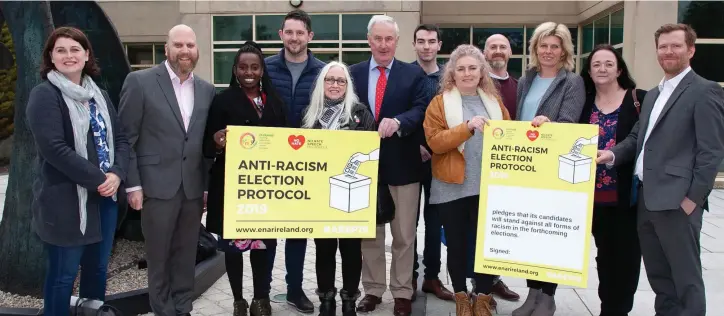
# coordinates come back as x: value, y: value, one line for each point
x: 462, y: 304
x: 481, y: 305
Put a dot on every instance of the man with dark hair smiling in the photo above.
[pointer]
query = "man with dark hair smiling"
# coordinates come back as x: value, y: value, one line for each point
x: 293, y: 72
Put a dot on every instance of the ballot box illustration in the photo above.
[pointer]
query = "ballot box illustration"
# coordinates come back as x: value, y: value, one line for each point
x: 574, y: 168
x: 349, y: 193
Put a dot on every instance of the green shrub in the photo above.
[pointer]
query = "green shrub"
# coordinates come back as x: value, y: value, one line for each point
x: 7, y: 88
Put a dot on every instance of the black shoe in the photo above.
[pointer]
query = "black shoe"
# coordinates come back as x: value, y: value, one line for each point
x: 327, y: 304
x: 260, y: 307
x: 349, y: 302
x: 300, y: 302
x: 241, y: 307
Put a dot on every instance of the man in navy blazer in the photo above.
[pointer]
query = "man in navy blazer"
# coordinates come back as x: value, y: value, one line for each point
x: 396, y: 95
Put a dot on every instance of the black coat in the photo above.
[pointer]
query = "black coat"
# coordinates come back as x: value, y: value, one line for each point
x: 232, y: 107
x: 626, y: 119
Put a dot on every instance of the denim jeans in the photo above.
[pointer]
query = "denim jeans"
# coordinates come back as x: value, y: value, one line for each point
x: 93, y: 259
x: 294, y: 252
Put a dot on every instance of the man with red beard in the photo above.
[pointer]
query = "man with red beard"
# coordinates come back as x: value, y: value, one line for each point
x: 163, y: 110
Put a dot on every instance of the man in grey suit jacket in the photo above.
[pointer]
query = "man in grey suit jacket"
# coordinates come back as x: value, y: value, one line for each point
x: 677, y: 144
x: 163, y: 110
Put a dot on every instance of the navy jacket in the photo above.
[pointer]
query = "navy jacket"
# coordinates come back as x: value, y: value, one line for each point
x: 281, y: 78
x: 405, y: 99
x: 60, y: 169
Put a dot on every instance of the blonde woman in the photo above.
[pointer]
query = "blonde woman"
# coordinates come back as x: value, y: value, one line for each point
x: 334, y: 106
x: 454, y: 124
x: 549, y: 91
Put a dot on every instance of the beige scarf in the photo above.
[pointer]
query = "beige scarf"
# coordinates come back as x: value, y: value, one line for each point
x: 453, y: 104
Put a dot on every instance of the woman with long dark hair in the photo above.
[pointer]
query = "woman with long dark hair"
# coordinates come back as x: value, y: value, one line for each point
x: 250, y: 100
x: 613, y: 103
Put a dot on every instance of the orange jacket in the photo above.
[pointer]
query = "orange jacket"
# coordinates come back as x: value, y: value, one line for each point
x: 448, y: 163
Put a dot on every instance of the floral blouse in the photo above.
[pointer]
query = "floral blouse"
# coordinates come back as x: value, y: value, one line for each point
x: 606, y: 178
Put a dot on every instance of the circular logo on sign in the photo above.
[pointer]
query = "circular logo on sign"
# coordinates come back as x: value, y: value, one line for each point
x: 247, y: 140
x: 498, y: 133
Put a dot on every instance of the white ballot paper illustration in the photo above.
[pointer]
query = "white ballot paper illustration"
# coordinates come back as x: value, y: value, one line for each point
x: 349, y: 191
x: 575, y: 167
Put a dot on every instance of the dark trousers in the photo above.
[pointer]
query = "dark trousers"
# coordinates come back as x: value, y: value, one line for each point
x: 260, y: 267
x: 618, y: 260
x: 431, y: 254
x: 63, y: 262
x: 460, y: 219
x: 351, y: 253
x: 294, y: 252
x: 670, y: 245
x: 171, y: 229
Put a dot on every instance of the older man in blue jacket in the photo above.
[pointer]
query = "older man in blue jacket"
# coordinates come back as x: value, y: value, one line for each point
x: 293, y: 72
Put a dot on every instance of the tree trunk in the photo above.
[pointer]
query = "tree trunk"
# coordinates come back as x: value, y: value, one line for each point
x: 22, y: 261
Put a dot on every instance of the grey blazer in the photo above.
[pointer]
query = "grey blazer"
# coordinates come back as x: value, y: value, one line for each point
x: 685, y: 147
x: 163, y: 154
x: 562, y: 102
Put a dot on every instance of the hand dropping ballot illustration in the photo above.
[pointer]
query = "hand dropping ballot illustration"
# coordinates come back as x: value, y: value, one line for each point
x: 300, y: 183
x: 349, y: 191
x: 536, y: 201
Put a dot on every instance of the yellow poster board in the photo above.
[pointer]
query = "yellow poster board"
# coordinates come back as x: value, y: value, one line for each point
x: 536, y: 201
x: 300, y: 183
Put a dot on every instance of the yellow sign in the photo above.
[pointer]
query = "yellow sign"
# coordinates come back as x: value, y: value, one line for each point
x: 536, y: 201
x: 300, y: 183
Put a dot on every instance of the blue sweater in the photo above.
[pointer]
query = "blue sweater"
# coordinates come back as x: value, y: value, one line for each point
x: 281, y: 78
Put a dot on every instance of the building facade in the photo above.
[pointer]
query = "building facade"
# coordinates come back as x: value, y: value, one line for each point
x: 340, y: 29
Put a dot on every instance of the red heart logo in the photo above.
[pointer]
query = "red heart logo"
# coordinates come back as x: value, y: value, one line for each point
x: 532, y: 135
x: 296, y: 141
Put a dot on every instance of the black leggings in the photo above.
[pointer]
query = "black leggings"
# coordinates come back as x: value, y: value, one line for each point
x: 259, y: 266
x: 351, y: 252
x: 460, y: 220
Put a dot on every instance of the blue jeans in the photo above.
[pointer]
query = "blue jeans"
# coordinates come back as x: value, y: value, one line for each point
x: 93, y: 259
x: 294, y: 252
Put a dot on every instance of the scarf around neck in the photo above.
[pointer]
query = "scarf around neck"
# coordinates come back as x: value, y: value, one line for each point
x: 332, y: 114
x: 76, y: 98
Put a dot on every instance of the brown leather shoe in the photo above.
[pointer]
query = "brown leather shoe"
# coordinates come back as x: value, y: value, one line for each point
x: 502, y: 290
x: 436, y: 287
x: 462, y: 304
x: 368, y: 303
x: 403, y: 307
x: 481, y: 305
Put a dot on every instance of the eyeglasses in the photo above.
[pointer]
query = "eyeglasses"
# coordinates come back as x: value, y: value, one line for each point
x: 340, y: 81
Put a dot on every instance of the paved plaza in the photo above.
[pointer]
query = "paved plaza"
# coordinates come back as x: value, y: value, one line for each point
x: 570, y: 301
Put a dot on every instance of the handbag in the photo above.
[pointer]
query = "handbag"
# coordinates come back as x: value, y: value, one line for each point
x: 206, y: 247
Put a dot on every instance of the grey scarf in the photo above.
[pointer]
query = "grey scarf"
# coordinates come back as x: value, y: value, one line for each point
x: 332, y: 114
x: 76, y: 98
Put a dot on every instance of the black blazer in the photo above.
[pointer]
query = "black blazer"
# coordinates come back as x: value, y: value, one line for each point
x: 232, y: 107
x: 405, y: 99
x: 60, y: 169
x: 627, y: 118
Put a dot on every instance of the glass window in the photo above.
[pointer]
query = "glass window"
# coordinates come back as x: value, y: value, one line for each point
x: 232, y: 28
x: 515, y: 67
x: 600, y: 33
x: 587, y: 38
x: 574, y: 38
x: 223, y: 61
x: 442, y: 60
x: 706, y: 17
x: 351, y: 58
x: 267, y: 27
x: 617, y: 28
x: 325, y: 27
x: 354, y: 26
x: 703, y: 61
x: 452, y: 37
x: 160, y: 52
x: 327, y: 56
x: 514, y: 35
x: 140, y: 54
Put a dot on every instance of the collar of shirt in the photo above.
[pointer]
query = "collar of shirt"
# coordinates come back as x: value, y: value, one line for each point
x: 673, y: 82
x: 173, y: 75
x: 434, y: 74
x: 374, y: 64
x: 494, y: 76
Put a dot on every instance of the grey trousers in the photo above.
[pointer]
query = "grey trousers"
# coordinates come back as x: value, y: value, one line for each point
x: 171, y: 230
x: 672, y: 256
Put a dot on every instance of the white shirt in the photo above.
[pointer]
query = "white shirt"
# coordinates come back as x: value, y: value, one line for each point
x: 184, y: 97
x: 666, y: 88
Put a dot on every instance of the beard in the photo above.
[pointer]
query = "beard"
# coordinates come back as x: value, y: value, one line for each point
x: 497, y: 64
x: 301, y: 48
x: 183, y: 68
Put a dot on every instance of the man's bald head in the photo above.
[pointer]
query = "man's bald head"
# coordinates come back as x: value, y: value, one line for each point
x: 497, y: 51
x: 181, y: 51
